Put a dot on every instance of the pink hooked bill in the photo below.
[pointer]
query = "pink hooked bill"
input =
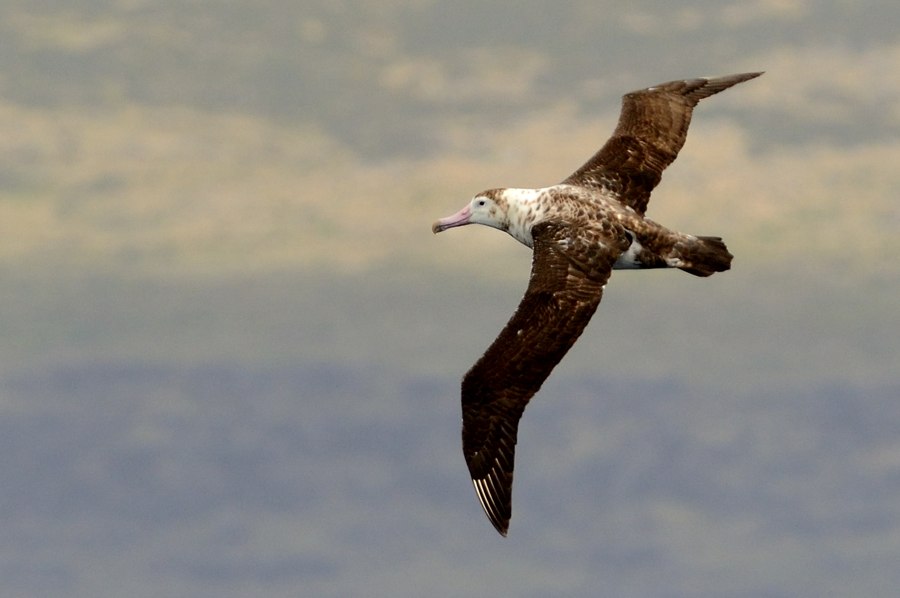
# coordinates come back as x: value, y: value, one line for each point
x: 459, y: 219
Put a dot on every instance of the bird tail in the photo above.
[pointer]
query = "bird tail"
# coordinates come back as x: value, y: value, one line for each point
x: 704, y: 256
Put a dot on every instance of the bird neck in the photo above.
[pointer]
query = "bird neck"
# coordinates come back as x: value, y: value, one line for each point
x: 524, y: 210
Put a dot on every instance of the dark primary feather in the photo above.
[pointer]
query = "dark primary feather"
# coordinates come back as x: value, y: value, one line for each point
x: 652, y: 128
x: 571, y: 264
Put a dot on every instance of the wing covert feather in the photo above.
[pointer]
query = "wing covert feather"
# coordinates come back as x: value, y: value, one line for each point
x: 652, y: 129
x: 569, y: 269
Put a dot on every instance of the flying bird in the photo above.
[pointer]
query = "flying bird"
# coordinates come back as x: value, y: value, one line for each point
x: 580, y: 230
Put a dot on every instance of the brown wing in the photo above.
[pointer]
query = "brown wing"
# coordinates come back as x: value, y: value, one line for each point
x: 570, y: 267
x: 652, y: 128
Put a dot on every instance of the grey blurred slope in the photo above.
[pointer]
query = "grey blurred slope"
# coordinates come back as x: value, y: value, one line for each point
x: 218, y: 479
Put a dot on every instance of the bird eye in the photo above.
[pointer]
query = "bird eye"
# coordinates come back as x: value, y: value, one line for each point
x: 481, y: 202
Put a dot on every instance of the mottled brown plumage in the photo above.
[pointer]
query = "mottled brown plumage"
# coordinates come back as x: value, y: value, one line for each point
x: 565, y: 288
x: 652, y: 128
x: 580, y: 231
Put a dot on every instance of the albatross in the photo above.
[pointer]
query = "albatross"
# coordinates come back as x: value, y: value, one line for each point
x: 580, y: 230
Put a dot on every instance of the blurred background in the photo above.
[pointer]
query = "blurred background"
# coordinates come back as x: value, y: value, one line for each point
x: 230, y: 346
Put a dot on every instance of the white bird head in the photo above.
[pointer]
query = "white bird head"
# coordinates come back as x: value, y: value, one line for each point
x: 488, y: 208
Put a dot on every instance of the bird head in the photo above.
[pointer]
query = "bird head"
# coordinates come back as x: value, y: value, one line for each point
x: 487, y: 208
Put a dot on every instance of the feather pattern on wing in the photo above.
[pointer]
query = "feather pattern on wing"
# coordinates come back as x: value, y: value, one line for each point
x: 652, y: 128
x: 571, y: 265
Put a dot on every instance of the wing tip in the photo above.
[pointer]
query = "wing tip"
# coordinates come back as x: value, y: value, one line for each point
x: 491, y: 505
x: 737, y: 78
x: 701, y: 87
